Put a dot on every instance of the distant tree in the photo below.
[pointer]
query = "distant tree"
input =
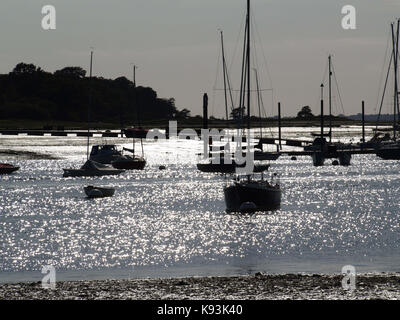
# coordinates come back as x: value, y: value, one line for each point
x: 75, y: 72
x: 305, y: 113
x: 25, y: 68
x: 183, y: 114
x: 28, y: 92
x: 123, y: 82
x: 237, y: 113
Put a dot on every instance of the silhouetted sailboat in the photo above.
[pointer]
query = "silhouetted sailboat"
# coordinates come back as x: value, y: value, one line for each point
x: 391, y: 150
x: 247, y: 194
x: 217, y: 164
x: 91, y: 168
x: 132, y: 162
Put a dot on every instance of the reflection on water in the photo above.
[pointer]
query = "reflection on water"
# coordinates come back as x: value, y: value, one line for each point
x: 172, y: 222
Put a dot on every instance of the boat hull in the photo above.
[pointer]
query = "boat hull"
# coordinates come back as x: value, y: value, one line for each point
x: 87, y: 173
x: 265, y: 199
x: 389, y: 153
x: 271, y: 156
x: 7, y: 168
x: 129, y: 164
x: 217, y: 168
x: 136, y: 133
x: 97, y: 192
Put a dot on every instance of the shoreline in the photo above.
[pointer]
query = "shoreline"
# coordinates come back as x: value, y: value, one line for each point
x: 256, y: 287
x: 25, y: 155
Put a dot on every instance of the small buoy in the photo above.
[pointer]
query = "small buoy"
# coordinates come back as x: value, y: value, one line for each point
x: 293, y: 158
x: 335, y: 162
x: 247, y: 207
x: 162, y: 167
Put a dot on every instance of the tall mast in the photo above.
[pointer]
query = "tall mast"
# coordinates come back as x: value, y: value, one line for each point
x: 90, y: 102
x: 259, y: 101
x: 397, y: 67
x: 134, y: 76
x: 248, y: 65
x: 322, y: 115
x: 135, y: 104
x: 330, y: 98
x: 224, y: 72
x: 395, y: 64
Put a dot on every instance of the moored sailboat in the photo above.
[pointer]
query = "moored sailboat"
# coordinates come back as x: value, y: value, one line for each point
x: 91, y: 168
x: 390, y: 150
x: 247, y: 193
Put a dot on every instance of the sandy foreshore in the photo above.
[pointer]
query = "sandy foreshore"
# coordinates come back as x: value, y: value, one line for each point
x: 257, y: 287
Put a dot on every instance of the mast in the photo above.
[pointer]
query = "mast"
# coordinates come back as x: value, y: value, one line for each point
x: 322, y: 115
x: 397, y: 70
x: 90, y: 102
x: 330, y: 98
x: 134, y: 76
x: 280, y: 125
x: 395, y: 40
x: 395, y: 80
x: 259, y: 101
x: 224, y: 72
x: 248, y: 65
x: 134, y: 92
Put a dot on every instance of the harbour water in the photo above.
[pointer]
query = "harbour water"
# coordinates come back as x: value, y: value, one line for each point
x: 172, y: 223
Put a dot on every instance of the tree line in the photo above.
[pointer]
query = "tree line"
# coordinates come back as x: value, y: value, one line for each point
x: 28, y: 92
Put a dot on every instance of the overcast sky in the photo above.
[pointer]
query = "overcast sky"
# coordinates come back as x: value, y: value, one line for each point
x: 175, y: 44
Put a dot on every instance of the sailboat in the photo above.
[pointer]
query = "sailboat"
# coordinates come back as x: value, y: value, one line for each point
x: 217, y: 164
x: 390, y: 150
x: 246, y: 193
x: 132, y: 162
x: 321, y: 147
x: 91, y: 168
x: 260, y: 154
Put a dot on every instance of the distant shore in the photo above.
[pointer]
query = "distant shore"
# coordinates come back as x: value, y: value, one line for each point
x: 194, y: 122
x: 259, y: 286
x: 24, y: 155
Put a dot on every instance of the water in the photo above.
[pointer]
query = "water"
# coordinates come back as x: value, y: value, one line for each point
x: 173, y: 223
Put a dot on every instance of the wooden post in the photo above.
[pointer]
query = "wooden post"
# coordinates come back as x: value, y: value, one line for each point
x: 322, y: 117
x: 363, y: 125
x: 205, y: 111
x: 280, y: 125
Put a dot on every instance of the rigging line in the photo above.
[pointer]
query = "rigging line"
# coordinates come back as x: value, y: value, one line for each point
x: 396, y: 71
x: 337, y: 87
x: 382, y: 72
x: 237, y: 41
x: 325, y: 72
x: 224, y: 76
x: 384, y: 91
x: 230, y: 89
x: 234, y: 90
x: 255, y: 27
x: 243, y: 77
x: 216, y: 81
x: 227, y: 81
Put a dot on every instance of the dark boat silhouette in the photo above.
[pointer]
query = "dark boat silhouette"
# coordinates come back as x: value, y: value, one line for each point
x: 246, y: 193
x: 7, y: 168
x: 264, y: 195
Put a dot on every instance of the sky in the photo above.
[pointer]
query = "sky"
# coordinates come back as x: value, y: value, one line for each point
x: 176, y: 46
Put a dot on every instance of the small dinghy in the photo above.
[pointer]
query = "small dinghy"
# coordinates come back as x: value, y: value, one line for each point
x: 99, y: 192
x: 7, y: 168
